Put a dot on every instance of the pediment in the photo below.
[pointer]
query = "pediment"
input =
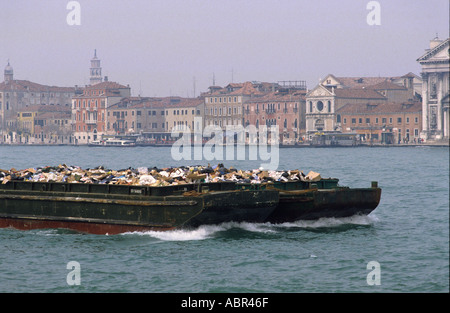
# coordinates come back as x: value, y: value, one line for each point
x: 439, y: 53
x: 319, y: 91
x: 442, y: 54
x: 330, y: 80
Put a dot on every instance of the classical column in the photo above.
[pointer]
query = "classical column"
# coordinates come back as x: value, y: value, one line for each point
x: 445, y: 127
x: 425, y: 127
x: 439, y: 117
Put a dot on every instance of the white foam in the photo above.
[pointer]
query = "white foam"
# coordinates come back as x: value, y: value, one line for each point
x: 201, y: 233
x: 204, y: 232
x: 256, y: 227
x: 332, y: 222
x: 47, y: 232
x: 208, y: 231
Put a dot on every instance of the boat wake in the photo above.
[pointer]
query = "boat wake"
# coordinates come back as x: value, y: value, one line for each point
x: 333, y: 222
x: 211, y: 231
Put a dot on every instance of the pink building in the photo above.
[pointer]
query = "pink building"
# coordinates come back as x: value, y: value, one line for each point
x: 284, y: 108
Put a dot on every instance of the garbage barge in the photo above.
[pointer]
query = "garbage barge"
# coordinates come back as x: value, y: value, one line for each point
x: 118, y: 207
x: 113, y: 209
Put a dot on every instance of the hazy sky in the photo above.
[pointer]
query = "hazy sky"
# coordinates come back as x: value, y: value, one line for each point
x: 158, y: 47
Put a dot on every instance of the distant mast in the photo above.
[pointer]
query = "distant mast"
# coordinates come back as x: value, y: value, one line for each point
x: 96, y: 70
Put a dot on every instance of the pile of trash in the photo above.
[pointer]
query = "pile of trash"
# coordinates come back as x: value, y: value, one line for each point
x: 153, y: 176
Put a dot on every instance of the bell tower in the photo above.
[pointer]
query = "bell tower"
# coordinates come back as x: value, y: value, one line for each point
x: 8, y: 73
x: 96, y: 70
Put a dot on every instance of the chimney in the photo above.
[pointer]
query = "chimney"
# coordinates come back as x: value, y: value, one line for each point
x: 106, y: 78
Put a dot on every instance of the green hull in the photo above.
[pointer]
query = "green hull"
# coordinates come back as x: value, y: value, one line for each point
x: 101, y: 209
x: 309, y: 200
x: 320, y: 203
x: 119, y: 208
x: 324, y: 198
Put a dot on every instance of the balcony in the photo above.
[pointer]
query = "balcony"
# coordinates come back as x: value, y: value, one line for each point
x: 270, y: 111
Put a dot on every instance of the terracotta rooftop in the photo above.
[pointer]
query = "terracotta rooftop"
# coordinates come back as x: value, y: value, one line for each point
x: 390, y: 107
x: 25, y: 85
x: 280, y: 96
x: 46, y: 108
x: 387, y: 85
x: 104, y: 89
x: 360, y: 82
x: 105, y: 86
x: 409, y: 75
x: 246, y: 89
x: 185, y: 102
x: 157, y: 102
x: 359, y: 93
x: 50, y: 115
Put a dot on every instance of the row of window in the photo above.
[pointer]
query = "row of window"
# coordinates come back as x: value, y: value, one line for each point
x: 94, y: 103
x: 90, y: 117
x: 91, y: 128
x: 181, y: 112
x: 28, y: 124
x: 223, y: 99
x: 176, y: 124
x: 218, y: 122
x: 274, y: 107
x: 49, y: 95
x: 7, y: 105
x: 269, y: 122
x: 384, y: 120
x: 152, y: 113
x: 225, y: 111
x: 94, y: 93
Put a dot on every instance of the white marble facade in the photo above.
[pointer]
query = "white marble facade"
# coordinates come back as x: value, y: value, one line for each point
x: 435, y: 90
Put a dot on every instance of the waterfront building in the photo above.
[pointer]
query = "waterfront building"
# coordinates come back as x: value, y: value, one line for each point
x: 409, y: 81
x: 155, y: 118
x: 90, y: 107
x: 43, y: 124
x: 322, y: 102
x: 181, y: 113
x: 18, y: 95
x: 435, y: 90
x: 224, y: 106
x: 284, y: 108
x: 389, y: 122
x: 332, y: 93
x: 135, y: 115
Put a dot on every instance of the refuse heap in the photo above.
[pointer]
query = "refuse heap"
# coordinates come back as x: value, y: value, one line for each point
x: 153, y: 176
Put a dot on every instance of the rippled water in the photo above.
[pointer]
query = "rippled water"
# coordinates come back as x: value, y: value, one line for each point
x: 408, y: 234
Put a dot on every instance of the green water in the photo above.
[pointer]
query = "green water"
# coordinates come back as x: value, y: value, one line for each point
x: 408, y: 234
